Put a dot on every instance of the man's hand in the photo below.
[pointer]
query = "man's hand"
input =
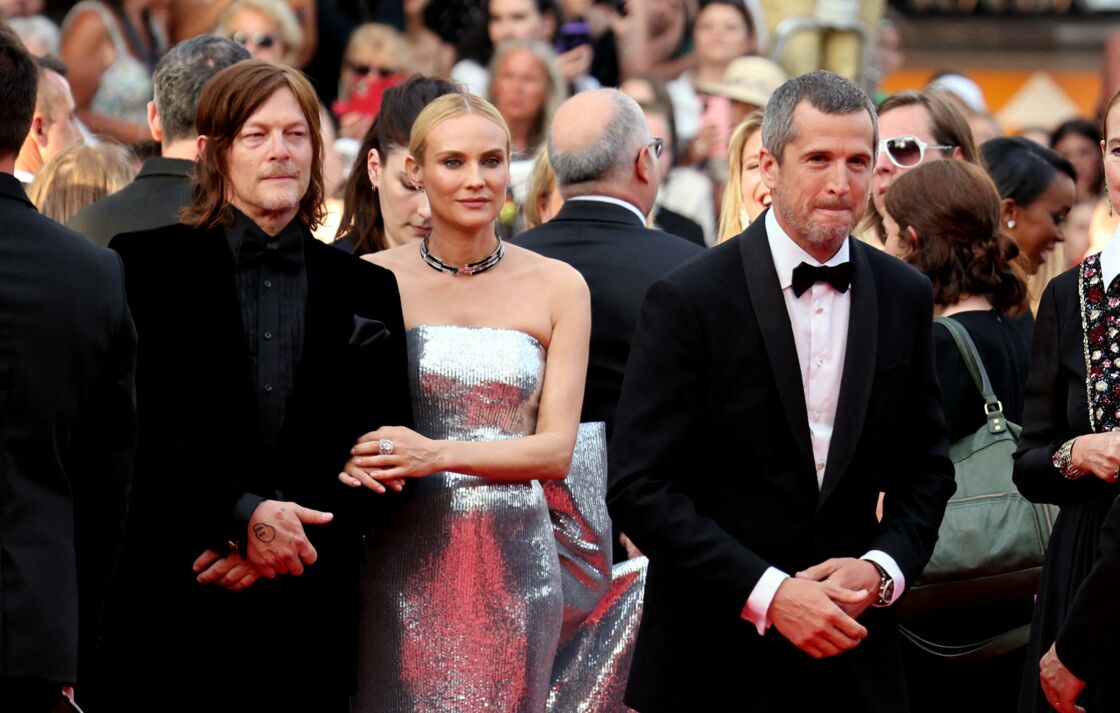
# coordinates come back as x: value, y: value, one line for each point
x: 1060, y: 686
x: 849, y: 574
x: 808, y: 614
x: 277, y: 542
x: 232, y: 571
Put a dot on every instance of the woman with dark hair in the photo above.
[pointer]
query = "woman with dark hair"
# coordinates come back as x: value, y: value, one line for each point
x: 1079, y: 142
x: 1038, y: 190
x: 382, y: 207
x: 1069, y: 452
x: 947, y: 214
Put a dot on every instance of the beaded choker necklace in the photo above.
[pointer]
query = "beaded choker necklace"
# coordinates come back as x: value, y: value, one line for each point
x: 469, y: 269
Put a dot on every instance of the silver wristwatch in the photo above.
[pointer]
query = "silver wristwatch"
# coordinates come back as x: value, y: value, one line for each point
x: 886, y: 585
x: 1063, y: 461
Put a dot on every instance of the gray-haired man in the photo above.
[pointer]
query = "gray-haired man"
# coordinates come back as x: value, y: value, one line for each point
x: 775, y: 386
x: 163, y: 186
x: 607, y: 171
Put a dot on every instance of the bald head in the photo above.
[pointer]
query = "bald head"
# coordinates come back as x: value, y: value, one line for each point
x: 594, y: 141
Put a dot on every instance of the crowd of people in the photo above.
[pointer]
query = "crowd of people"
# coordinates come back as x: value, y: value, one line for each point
x: 594, y: 362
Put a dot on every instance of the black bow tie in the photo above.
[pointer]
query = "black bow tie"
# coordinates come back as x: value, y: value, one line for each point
x: 285, y: 252
x: 806, y: 275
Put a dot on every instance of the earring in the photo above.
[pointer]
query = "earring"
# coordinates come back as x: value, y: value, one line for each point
x: 1011, y: 224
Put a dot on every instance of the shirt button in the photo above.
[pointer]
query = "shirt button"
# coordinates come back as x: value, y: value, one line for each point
x: 817, y: 416
x: 268, y: 283
x: 268, y: 335
x: 268, y: 387
x: 820, y: 310
x: 820, y: 360
x: 820, y: 466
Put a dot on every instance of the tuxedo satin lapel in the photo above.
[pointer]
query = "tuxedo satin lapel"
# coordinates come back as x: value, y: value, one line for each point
x: 859, y: 370
x: 777, y: 334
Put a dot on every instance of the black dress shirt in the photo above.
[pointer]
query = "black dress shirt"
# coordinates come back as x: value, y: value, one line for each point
x: 272, y: 289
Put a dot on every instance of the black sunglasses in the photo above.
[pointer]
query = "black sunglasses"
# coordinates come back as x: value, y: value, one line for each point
x: 260, y: 39
x: 364, y: 69
x: 658, y: 145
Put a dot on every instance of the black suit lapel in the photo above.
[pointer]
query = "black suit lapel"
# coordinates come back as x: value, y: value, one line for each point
x: 859, y: 370
x: 773, y: 321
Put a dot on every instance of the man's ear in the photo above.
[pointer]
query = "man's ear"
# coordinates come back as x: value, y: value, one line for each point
x: 202, y: 141
x: 38, y: 131
x: 643, y: 167
x: 768, y: 167
x: 154, y: 124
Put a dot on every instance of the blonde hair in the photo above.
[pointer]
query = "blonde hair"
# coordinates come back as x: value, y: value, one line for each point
x: 447, y: 107
x: 731, y: 208
x: 280, y: 14
x: 78, y: 176
x: 542, y: 182
x: 385, y: 41
x: 557, y: 87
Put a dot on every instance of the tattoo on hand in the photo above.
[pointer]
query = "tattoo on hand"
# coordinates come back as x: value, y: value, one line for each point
x: 264, y: 533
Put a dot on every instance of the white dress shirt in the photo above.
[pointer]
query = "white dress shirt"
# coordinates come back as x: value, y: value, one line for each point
x: 819, y: 319
x: 613, y: 201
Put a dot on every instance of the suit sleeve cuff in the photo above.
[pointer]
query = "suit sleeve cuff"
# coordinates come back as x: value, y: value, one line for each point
x: 887, y: 562
x: 757, y: 608
x: 243, y: 511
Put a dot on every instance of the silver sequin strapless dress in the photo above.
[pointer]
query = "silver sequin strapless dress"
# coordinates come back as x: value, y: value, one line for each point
x: 461, y: 596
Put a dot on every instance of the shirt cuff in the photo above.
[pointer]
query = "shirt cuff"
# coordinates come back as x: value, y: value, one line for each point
x: 757, y: 608
x: 887, y: 562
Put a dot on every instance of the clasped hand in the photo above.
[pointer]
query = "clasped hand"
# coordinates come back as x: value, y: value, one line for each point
x: 277, y: 544
x: 1099, y: 454
x: 413, y: 456
x: 816, y: 610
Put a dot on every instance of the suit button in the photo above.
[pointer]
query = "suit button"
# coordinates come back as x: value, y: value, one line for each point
x: 268, y: 387
x: 268, y: 335
x: 268, y: 283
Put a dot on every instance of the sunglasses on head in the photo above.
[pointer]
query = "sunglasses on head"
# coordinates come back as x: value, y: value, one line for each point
x: 260, y: 39
x: 907, y: 151
x: 364, y: 69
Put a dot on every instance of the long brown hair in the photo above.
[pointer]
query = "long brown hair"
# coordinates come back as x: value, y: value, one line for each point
x: 953, y: 206
x: 361, y: 219
x: 228, y: 100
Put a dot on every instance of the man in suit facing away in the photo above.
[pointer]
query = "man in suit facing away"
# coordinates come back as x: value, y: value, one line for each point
x: 608, y: 173
x: 163, y: 187
x: 266, y: 354
x: 776, y: 385
x: 67, y: 423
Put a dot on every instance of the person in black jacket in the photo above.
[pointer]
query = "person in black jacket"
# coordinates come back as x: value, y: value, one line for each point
x: 597, y: 145
x: 67, y: 419
x: 163, y: 186
x: 266, y: 355
x: 777, y: 384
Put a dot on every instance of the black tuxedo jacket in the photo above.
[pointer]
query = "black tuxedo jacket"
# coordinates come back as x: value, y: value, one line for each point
x: 200, y: 450
x: 712, y: 476
x: 67, y: 417
x: 619, y: 259
x: 152, y: 200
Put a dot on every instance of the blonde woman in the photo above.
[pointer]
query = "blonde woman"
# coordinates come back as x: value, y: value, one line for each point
x: 745, y: 196
x: 79, y: 176
x: 461, y: 604
x: 268, y: 29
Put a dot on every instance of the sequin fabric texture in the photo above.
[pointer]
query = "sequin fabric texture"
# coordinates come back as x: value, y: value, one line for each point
x: 461, y: 605
x: 1100, y: 316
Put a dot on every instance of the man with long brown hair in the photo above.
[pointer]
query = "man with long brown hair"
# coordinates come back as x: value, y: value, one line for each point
x: 266, y: 354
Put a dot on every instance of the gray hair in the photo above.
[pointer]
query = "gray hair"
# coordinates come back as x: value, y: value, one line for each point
x: 179, y: 78
x: 616, y: 149
x: 826, y: 92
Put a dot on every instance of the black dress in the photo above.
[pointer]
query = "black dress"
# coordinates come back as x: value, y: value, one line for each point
x: 992, y: 683
x: 1056, y: 410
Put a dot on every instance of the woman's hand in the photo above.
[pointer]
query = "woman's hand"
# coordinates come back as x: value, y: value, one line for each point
x: 387, y: 456
x: 1099, y: 454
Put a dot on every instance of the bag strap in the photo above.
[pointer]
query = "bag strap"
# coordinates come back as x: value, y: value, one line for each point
x: 988, y: 648
x: 993, y: 409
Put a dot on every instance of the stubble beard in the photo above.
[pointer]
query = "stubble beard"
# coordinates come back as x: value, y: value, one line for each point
x: 814, y: 235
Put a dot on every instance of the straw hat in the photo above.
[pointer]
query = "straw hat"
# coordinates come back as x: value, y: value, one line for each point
x: 750, y: 80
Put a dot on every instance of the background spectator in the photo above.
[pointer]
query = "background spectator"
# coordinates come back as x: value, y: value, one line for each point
x: 54, y: 125
x: 1079, y: 142
x: 267, y: 28
x: 78, y: 176
x: 745, y: 196
x: 374, y: 55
